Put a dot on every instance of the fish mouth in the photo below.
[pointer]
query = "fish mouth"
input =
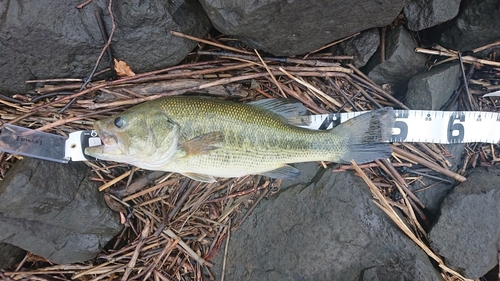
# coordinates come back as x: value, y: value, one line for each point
x: 108, y: 149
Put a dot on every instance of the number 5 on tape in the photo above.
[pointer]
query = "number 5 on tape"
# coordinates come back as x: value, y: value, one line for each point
x: 426, y: 125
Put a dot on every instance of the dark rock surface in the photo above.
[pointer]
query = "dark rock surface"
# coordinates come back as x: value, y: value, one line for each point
x: 297, y: 27
x: 55, y: 211
x: 54, y: 39
x: 431, y: 89
x: 10, y: 255
x: 477, y: 24
x: 467, y: 233
x: 362, y: 47
x: 424, y: 14
x: 433, y: 197
x: 401, y: 62
x: 328, y: 229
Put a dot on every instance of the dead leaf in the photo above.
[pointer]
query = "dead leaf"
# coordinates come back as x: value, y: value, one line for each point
x: 113, y: 204
x: 122, y: 69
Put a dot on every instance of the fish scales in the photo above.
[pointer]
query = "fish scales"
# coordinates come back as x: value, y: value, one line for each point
x: 253, y: 137
x: 206, y: 137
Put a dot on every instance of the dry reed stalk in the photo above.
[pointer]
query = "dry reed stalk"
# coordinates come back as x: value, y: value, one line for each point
x: 453, y: 55
x: 179, y: 34
x: 399, y: 151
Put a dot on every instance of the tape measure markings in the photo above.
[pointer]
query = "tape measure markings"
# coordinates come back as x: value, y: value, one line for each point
x: 425, y: 125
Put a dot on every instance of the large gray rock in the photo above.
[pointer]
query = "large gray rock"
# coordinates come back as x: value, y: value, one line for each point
x: 401, y: 62
x: 53, y: 39
x: 431, y: 89
x: 55, y: 211
x: 297, y: 27
x: 467, y: 234
x: 328, y: 229
x: 477, y: 24
x: 424, y: 14
x: 362, y: 47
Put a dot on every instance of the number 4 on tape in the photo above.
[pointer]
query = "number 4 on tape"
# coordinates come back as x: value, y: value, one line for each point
x: 427, y: 126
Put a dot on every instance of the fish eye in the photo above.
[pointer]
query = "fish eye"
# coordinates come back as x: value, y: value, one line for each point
x: 119, y: 122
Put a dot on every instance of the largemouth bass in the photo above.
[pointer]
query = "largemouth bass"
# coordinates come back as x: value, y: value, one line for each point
x: 204, y: 138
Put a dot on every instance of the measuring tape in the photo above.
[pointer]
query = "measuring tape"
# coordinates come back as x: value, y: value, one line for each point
x: 425, y: 125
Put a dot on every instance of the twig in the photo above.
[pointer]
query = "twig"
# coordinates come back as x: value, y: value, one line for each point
x: 428, y: 164
x: 68, y: 120
x: 287, y: 60
x: 182, y: 35
x: 391, y: 171
x: 80, y: 6
x: 467, y: 59
x: 270, y: 73
x: 130, y: 266
x: 115, y: 180
x: 333, y: 43
x: 54, y: 80
x: 183, y: 198
x: 226, y: 250
x: 464, y: 78
x: 344, y: 168
x: 486, y: 47
x: 104, y: 49
x: 169, y: 247
x: 302, y: 99
x: 311, y: 87
x: 105, y: 37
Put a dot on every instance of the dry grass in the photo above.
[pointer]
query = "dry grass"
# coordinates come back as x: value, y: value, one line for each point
x: 174, y: 226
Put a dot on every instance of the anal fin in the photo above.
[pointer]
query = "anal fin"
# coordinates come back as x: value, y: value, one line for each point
x: 284, y: 172
x: 200, y: 177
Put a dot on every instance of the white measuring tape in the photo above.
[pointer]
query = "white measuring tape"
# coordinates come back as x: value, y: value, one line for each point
x: 426, y: 125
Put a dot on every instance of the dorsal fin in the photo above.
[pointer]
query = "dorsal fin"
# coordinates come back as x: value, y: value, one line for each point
x: 287, y: 108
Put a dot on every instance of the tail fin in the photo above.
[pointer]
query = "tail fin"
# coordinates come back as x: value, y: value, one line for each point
x: 366, y: 135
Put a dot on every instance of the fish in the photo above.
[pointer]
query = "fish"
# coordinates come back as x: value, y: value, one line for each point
x: 204, y: 138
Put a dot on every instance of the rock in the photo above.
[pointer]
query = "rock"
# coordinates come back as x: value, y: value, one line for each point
x: 327, y: 229
x: 55, y: 211
x: 477, y: 24
x: 362, y: 47
x: 54, y: 39
x: 401, y: 62
x: 286, y: 28
x: 433, y: 197
x: 433, y: 88
x: 424, y: 14
x: 10, y: 255
x: 467, y: 234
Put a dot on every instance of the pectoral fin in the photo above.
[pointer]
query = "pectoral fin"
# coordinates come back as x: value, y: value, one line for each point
x: 200, y: 177
x: 203, y: 144
x: 286, y: 172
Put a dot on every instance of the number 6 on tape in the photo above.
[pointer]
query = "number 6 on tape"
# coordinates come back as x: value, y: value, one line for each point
x: 426, y: 125
x: 456, y: 130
